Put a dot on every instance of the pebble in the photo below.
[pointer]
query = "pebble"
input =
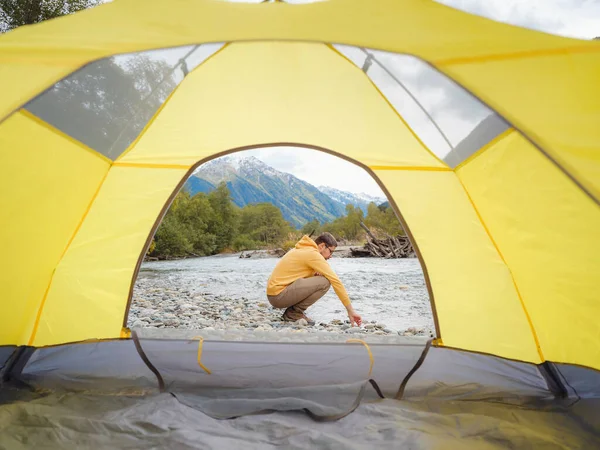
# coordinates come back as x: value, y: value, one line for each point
x: 354, y: 330
x: 159, y: 304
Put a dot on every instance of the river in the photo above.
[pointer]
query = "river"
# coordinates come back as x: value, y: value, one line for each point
x: 391, y: 291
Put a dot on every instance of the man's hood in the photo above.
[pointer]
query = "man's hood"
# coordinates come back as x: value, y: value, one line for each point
x: 306, y: 243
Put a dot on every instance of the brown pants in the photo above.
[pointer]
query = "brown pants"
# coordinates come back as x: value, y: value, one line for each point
x: 300, y: 295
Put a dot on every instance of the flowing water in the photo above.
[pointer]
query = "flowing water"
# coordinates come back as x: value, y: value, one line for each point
x: 390, y: 291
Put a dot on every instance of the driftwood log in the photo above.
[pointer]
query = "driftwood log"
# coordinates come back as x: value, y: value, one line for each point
x: 390, y: 247
x: 277, y: 252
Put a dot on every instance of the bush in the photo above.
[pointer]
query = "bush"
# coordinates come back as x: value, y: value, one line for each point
x: 244, y: 242
x: 263, y: 223
x: 152, y: 247
x: 171, y: 240
x: 288, y: 245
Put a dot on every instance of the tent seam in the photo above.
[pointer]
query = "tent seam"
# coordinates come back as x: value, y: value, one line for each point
x: 167, y: 100
x: 62, y: 134
x: 151, y: 166
x: 417, y: 168
x: 333, y: 49
x: 516, y: 55
x: 493, y: 106
x: 43, y: 303
x: 483, y: 149
x: 148, y: 124
x: 527, y: 316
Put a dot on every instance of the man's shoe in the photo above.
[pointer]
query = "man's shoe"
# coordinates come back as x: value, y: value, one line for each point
x: 292, y: 315
x: 308, y: 319
x: 286, y: 318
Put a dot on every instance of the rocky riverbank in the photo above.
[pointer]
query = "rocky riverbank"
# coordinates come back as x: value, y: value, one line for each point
x: 160, y: 304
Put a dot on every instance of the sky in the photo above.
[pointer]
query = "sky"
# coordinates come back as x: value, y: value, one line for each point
x: 455, y: 111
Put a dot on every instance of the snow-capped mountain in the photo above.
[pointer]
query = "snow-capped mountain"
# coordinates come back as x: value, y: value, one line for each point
x: 361, y: 200
x: 252, y: 181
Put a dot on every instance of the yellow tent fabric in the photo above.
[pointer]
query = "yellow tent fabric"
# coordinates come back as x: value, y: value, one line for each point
x: 490, y: 68
x: 42, y: 171
x: 500, y: 284
x: 547, y: 232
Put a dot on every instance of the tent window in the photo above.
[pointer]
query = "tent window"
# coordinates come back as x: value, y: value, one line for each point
x: 106, y: 104
x: 450, y: 121
x: 485, y: 131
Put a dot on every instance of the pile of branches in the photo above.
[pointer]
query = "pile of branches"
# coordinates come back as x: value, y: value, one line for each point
x: 390, y: 247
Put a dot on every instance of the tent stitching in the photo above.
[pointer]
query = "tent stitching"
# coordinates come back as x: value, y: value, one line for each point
x: 528, y: 317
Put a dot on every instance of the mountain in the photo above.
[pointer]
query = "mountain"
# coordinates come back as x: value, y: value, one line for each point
x: 361, y: 200
x: 251, y: 181
x: 195, y: 185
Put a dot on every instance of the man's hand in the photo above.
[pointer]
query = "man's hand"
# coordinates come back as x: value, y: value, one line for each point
x: 354, y: 318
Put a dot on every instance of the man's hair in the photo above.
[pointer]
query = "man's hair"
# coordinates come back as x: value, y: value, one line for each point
x: 327, y: 239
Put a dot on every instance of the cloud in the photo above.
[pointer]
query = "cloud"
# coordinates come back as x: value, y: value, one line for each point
x: 455, y: 111
x: 317, y: 168
x: 571, y: 18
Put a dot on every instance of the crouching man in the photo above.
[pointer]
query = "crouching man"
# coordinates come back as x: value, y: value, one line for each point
x: 303, y: 276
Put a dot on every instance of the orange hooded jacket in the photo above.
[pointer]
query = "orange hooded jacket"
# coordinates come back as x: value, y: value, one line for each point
x: 304, y: 261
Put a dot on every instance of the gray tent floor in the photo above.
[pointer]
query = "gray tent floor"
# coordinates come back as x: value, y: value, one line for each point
x: 102, y: 394
x: 160, y: 421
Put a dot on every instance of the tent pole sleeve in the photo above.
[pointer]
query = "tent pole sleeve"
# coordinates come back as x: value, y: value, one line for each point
x: 140, y: 350
x: 419, y: 363
x: 15, y: 365
x: 552, y: 378
x: 376, y: 387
